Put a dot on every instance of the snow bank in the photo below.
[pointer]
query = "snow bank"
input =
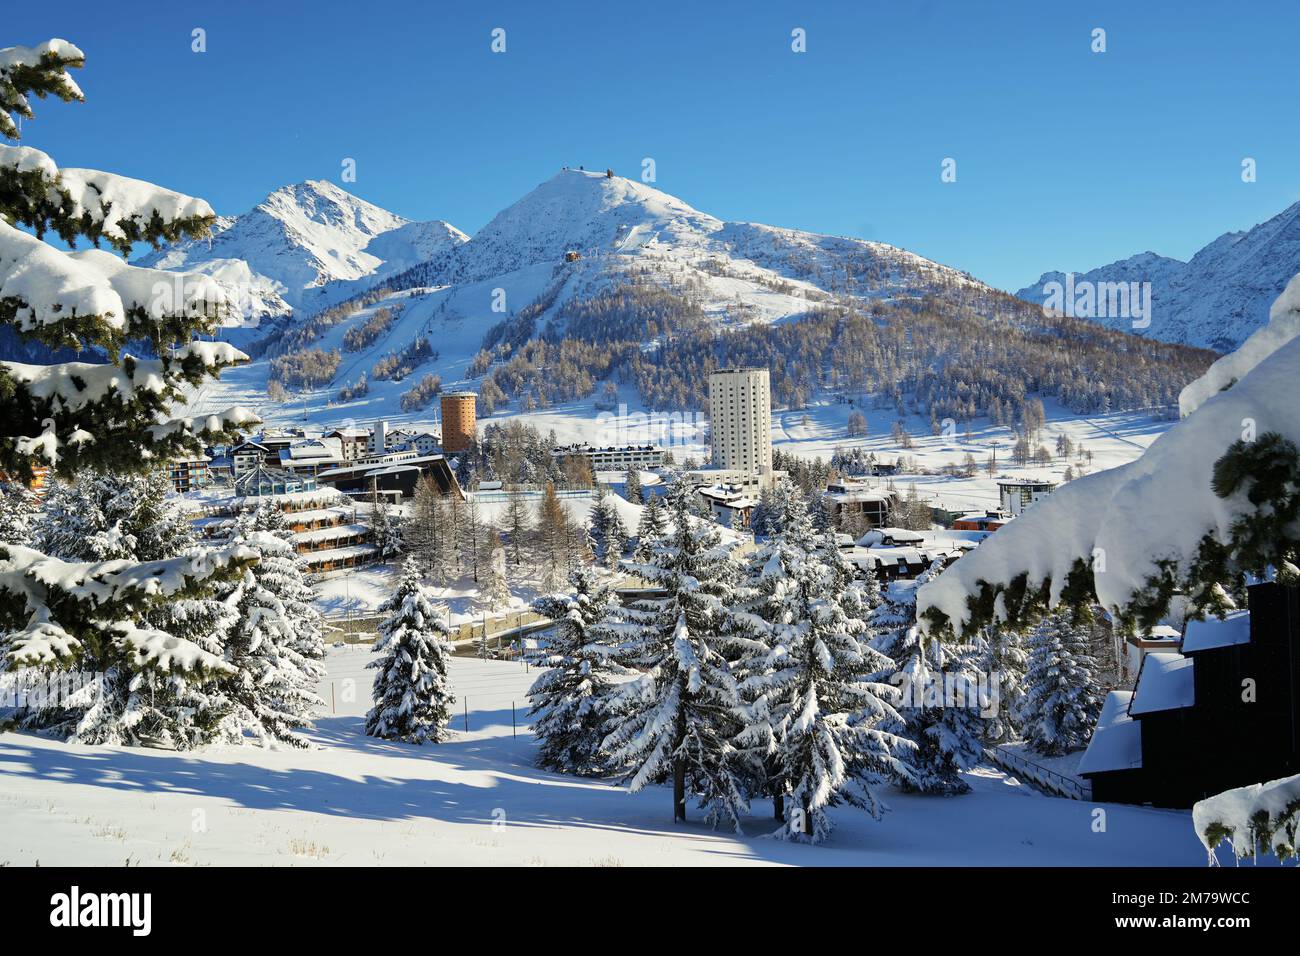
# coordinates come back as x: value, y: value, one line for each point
x: 1124, y: 522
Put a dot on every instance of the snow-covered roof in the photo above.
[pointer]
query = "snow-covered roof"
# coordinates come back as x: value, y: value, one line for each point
x: 1165, y: 683
x: 1203, y: 635
x: 329, y: 534
x: 1117, y: 740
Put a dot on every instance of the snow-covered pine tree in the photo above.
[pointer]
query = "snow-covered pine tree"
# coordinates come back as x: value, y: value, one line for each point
x: 632, y: 486
x: 682, y: 711
x: 818, y: 726
x: 568, y: 698
x: 941, y: 705
x: 111, y: 414
x: 133, y: 518
x: 649, y: 529
x: 1062, y: 697
x: 608, y: 535
x: 18, y: 511
x: 413, y: 698
x: 276, y: 647
x: 1005, y: 663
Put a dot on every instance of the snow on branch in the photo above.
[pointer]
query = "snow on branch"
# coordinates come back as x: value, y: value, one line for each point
x: 93, y: 297
x: 150, y: 649
x: 1128, y: 537
x: 40, y: 71
x: 57, y: 597
x: 1261, y: 815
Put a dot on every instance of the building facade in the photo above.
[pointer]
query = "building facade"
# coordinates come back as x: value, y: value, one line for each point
x: 740, y: 420
x: 459, y: 421
x: 1017, y: 494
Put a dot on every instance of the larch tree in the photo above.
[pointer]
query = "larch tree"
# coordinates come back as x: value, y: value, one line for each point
x: 682, y: 713
x: 112, y: 413
x: 412, y: 694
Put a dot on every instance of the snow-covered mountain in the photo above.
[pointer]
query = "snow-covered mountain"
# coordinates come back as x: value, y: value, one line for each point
x: 308, y: 245
x: 597, y: 259
x: 622, y: 223
x: 1217, y: 298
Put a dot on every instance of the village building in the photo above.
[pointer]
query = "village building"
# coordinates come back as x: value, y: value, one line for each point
x: 1222, y: 711
x: 1017, y: 494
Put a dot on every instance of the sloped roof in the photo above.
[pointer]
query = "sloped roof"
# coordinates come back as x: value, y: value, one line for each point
x: 1117, y: 741
x: 1203, y: 635
x: 1165, y: 683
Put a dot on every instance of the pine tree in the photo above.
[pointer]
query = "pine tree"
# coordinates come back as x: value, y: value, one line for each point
x: 133, y: 518
x: 681, y: 711
x: 413, y: 698
x: 942, y: 704
x: 942, y: 713
x: 496, y: 585
x: 652, y: 526
x: 111, y: 413
x: 817, y: 726
x: 632, y: 487
x: 1062, y: 697
x: 277, y: 645
x: 569, y: 698
x: 18, y: 511
x: 1005, y: 663
x: 608, y: 535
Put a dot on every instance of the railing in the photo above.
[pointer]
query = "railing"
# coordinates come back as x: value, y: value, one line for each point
x: 1044, y: 777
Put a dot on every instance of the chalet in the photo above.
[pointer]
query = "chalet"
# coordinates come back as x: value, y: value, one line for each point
x: 1221, y: 712
x: 35, y: 484
x: 730, y: 506
x: 353, y: 442
x: 246, y: 456
x: 855, y: 505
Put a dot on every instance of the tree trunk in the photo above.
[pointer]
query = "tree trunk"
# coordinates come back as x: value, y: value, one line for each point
x: 679, y: 772
x: 778, y: 807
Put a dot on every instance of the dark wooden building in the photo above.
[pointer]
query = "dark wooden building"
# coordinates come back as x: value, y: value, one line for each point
x: 1222, y: 712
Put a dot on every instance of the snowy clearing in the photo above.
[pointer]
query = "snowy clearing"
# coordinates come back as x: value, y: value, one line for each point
x: 477, y: 800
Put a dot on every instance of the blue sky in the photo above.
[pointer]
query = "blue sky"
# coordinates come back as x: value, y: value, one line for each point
x: 1065, y: 157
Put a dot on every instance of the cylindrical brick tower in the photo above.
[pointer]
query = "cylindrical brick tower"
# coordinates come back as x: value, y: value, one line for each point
x: 459, y: 421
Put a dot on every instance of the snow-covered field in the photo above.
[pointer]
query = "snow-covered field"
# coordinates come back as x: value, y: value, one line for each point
x: 478, y: 800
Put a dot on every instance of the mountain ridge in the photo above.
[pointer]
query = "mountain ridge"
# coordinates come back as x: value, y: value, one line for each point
x: 1213, y: 300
